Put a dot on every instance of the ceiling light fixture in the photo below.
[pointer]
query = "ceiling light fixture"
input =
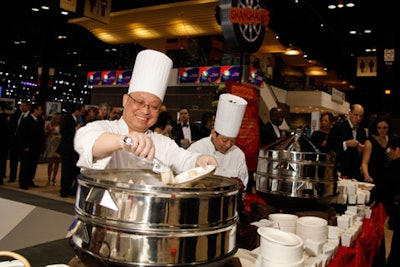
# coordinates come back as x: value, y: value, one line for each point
x: 341, y: 4
x: 292, y: 51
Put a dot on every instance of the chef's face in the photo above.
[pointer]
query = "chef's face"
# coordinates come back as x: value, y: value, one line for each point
x: 141, y: 110
x: 222, y: 143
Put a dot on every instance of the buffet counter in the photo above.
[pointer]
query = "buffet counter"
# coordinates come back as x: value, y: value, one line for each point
x: 362, y: 251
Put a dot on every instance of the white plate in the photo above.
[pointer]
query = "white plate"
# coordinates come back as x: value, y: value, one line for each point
x: 365, y: 186
x: 278, y: 236
x: 246, y: 258
x: 193, y: 174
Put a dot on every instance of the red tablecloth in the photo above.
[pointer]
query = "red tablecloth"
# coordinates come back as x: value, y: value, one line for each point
x: 362, y: 251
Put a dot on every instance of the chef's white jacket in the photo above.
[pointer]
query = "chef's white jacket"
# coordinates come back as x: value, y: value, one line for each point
x: 166, y: 149
x: 230, y: 164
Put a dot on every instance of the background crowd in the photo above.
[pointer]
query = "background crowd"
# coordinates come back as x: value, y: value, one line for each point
x: 364, y: 154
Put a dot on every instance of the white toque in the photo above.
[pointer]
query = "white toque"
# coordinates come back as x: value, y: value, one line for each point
x: 150, y: 73
x: 230, y: 112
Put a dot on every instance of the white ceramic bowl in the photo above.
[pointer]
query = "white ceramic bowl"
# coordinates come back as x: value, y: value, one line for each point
x: 284, y: 219
x: 280, y: 247
x: 312, y: 227
x: 267, y: 263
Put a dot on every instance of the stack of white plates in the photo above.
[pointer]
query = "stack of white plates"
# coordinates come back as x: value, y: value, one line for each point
x: 313, y: 228
x: 286, y: 222
x: 280, y: 249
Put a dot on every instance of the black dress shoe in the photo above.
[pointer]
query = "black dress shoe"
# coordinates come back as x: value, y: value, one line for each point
x: 33, y: 185
x: 63, y: 195
x: 11, y: 181
x: 24, y: 187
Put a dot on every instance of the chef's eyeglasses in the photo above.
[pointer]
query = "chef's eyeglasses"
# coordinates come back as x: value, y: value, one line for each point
x: 142, y: 104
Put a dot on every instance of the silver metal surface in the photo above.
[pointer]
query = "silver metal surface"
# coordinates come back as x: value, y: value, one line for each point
x: 130, y: 217
x: 298, y: 170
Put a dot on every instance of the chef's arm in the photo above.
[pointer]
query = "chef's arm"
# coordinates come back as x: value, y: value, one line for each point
x: 106, y: 144
x: 137, y: 143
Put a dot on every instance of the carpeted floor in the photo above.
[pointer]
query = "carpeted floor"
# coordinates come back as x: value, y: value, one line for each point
x: 34, y: 222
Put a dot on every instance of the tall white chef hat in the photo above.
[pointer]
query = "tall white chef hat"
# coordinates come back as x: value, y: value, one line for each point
x: 151, y: 73
x: 229, y: 115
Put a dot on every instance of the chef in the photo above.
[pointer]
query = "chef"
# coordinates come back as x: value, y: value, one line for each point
x: 128, y: 142
x: 221, y: 142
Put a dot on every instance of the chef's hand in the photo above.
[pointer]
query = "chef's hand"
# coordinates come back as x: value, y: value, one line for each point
x: 205, y: 160
x: 141, y: 145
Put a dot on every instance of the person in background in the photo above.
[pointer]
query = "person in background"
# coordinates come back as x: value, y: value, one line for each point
x: 32, y: 145
x: 320, y: 136
x: 69, y: 157
x: 347, y: 139
x: 207, y: 123
x: 221, y: 142
x: 52, y: 131
x: 163, y: 124
x: 15, y: 142
x: 104, y: 110
x: 390, y: 197
x: 91, y: 114
x: 270, y: 132
x: 115, y: 113
x: 163, y: 108
x: 185, y: 132
x: 375, y: 154
x: 4, y: 135
x: 127, y: 142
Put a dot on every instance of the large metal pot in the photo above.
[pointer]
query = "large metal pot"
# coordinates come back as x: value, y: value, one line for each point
x: 295, y: 174
x: 130, y: 218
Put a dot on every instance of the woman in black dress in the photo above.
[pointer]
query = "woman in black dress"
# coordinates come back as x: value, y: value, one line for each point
x: 320, y: 136
x: 375, y: 154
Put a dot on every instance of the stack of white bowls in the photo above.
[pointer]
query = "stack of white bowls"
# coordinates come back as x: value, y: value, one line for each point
x: 286, y: 222
x: 280, y: 249
x: 313, y: 228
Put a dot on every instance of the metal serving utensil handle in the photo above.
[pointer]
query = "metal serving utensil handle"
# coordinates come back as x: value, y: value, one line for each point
x: 159, y: 166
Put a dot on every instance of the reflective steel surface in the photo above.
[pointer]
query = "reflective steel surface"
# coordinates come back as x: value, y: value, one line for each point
x: 129, y: 217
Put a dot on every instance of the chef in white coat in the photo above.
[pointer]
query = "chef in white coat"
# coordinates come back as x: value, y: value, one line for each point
x: 124, y: 143
x: 221, y: 142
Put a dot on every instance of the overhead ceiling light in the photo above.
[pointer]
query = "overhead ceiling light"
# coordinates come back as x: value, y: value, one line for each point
x: 340, y: 4
x: 292, y: 51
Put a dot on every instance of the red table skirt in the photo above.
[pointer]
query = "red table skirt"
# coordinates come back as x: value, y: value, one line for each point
x: 362, y: 251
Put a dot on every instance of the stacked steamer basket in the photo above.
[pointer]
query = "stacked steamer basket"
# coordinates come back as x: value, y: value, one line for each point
x: 294, y: 175
x: 130, y: 218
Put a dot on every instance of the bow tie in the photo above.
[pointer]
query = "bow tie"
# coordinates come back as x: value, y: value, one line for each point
x: 185, y: 125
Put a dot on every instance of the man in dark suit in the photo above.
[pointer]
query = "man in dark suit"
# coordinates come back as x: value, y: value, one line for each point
x: 184, y: 132
x: 32, y: 145
x: 270, y: 132
x: 15, y: 146
x: 69, y: 157
x: 347, y: 140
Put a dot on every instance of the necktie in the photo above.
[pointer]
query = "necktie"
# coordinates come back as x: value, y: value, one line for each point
x: 185, y: 125
x: 19, y: 122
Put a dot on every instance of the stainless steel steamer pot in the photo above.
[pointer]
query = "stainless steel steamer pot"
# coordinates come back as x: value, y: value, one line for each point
x: 295, y: 174
x: 130, y: 218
